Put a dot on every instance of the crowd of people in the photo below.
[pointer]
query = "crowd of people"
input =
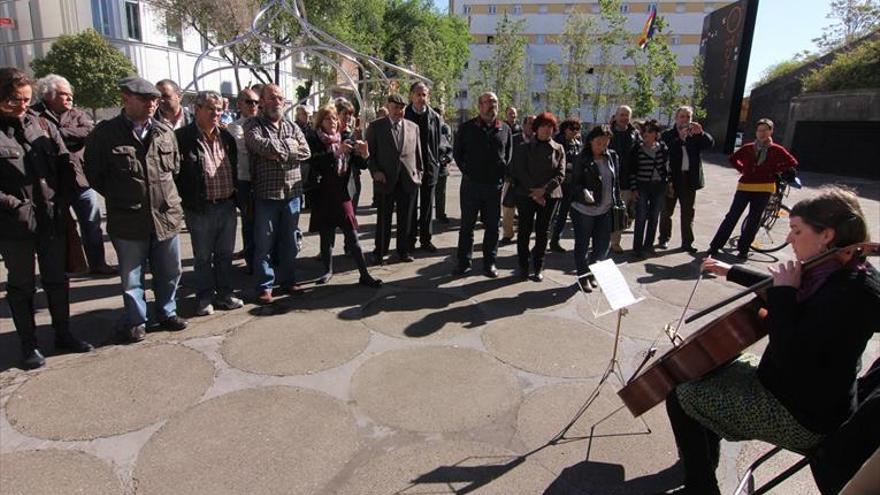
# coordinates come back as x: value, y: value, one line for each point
x: 160, y: 166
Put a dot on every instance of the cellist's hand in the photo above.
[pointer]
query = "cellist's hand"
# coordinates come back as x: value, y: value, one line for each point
x: 715, y: 267
x: 786, y: 274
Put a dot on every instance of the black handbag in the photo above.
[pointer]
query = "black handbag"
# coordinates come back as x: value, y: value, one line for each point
x: 619, y: 218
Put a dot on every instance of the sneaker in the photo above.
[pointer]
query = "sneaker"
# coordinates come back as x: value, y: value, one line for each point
x: 490, y: 270
x: 205, y: 308
x: 230, y: 303
x: 134, y: 334
x: 174, y: 323
x: 585, y: 285
x: 31, y: 358
x: 265, y: 297
x: 663, y: 245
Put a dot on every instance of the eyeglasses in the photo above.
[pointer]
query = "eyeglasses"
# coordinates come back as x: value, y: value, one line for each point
x: 252, y: 103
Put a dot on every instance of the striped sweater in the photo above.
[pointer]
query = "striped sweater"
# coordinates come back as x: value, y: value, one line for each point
x: 642, y: 165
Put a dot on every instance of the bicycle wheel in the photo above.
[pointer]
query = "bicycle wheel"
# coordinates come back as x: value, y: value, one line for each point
x: 773, y: 231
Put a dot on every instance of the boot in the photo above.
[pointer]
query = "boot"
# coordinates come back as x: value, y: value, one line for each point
x: 539, y: 270
x: 31, y: 357
x: 365, y: 279
x: 65, y: 340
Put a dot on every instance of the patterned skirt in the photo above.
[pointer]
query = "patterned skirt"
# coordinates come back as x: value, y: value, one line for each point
x: 733, y: 403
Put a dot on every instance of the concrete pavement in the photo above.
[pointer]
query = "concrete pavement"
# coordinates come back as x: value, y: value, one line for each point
x: 432, y: 384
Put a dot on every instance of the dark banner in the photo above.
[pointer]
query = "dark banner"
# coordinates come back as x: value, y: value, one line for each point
x: 725, y: 48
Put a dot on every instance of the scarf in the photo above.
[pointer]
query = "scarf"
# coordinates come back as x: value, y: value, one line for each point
x: 332, y: 141
x: 815, y: 276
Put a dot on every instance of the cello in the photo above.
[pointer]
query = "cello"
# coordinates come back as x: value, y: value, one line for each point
x: 718, y: 342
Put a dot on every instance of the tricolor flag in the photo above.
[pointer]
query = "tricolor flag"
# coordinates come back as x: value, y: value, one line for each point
x: 648, y: 31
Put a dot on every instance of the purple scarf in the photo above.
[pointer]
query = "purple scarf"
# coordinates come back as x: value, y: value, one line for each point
x: 813, y: 278
x: 332, y: 141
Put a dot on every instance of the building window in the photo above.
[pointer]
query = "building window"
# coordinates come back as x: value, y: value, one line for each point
x: 462, y: 94
x: 595, y: 8
x: 680, y: 8
x: 490, y: 39
x: 101, y: 16
x: 539, y: 69
x: 466, y: 9
x: 133, y: 20
x: 206, y: 43
x: 624, y: 8
x: 569, y: 8
x: 517, y: 9
x: 675, y: 40
x: 539, y: 39
x: 174, y: 30
x: 493, y: 9
x: 542, y: 9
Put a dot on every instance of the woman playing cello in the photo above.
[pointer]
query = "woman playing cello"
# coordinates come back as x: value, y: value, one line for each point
x: 820, y: 320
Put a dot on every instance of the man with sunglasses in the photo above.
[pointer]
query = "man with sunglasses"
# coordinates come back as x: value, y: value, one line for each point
x: 248, y: 103
x: 132, y: 161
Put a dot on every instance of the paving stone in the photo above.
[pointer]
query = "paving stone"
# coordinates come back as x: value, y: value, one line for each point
x: 61, y: 472
x: 113, y: 391
x: 273, y: 440
x: 447, y: 467
x: 410, y: 389
x: 421, y: 313
x: 549, y: 346
x: 295, y: 343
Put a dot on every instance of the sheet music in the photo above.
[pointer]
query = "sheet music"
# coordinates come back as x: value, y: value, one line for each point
x: 613, y: 285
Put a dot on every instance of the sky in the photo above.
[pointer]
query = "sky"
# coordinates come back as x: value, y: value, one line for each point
x: 784, y: 28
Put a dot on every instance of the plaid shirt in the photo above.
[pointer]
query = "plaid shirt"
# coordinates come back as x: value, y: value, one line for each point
x: 218, y: 171
x: 276, y: 151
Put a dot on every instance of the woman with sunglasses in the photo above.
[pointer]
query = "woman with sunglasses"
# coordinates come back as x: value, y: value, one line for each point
x: 35, y: 172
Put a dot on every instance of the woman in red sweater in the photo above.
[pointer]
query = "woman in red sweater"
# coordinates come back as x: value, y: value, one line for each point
x: 759, y: 162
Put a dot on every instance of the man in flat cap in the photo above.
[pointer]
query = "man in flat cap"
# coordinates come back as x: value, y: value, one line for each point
x: 396, y: 165
x: 132, y: 161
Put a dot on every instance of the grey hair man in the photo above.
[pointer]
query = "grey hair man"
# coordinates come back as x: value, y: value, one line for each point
x: 55, y: 106
x: 625, y: 137
x: 429, y: 123
x: 248, y: 103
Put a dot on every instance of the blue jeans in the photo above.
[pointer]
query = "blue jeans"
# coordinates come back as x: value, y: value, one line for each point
x: 88, y: 214
x: 756, y: 201
x: 164, y: 257
x: 275, y: 220
x: 212, y: 232
x: 243, y: 193
x: 484, y: 200
x: 590, y: 228
x: 652, y: 197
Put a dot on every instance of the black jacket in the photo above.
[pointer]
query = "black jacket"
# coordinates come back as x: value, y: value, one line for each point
x: 322, y: 162
x: 622, y: 142
x: 429, y: 133
x: 586, y: 175
x: 483, y: 152
x: 695, y: 146
x: 815, y: 345
x: 35, y: 168
x: 191, y: 178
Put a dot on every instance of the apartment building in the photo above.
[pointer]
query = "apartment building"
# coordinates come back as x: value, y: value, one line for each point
x: 158, y: 47
x: 545, y: 21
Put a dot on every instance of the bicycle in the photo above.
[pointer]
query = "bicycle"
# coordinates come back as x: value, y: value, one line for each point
x: 773, y: 229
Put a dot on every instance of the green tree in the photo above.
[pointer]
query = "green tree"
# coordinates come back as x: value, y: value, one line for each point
x: 784, y: 67
x: 853, y: 69
x: 852, y: 20
x: 554, y: 89
x: 611, y: 40
x: 506, y: 71
x: 698, y: 89
x: 91, y: 64
x: 655, y: 85
x: 577, y: 48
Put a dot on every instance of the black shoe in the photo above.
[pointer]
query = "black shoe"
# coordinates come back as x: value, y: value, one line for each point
x: 556, y: 248
x: 585, y: 285
x: 592, y: 281
x: 689, y: 249
x: 173, y: 324
x: 742, y: 257
x: 663, y: 245
x: 444, y: 219
x: 405, y: 258
x: 429, y: 247
x: 378, y: 260
x: 490, y: 270
x: 133, y: 334
x: 368, y: 281
x: 538, y: 276
x: 31, y: 358
x: 462, y: 269
x: 66, y: 341
x: 506, y: 241
x: 523, y: 273
x: 323, y: 279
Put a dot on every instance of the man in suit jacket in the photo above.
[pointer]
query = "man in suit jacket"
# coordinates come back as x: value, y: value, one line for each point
x: 396, y: 165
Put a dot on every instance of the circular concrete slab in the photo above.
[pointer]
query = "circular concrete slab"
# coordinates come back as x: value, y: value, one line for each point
x: 266, y: 440
x: 435, y: 389
x: 421, y: 313
x: 510, y: 297
x: 295, y: 343
x: 620, y: 457
x: 61, y: 472
x: 110, y: 392
x: 709, y: 291
x: 549, y: 346
x: 218, y: 324
x: 447, y: 467
x: 644, y: 320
